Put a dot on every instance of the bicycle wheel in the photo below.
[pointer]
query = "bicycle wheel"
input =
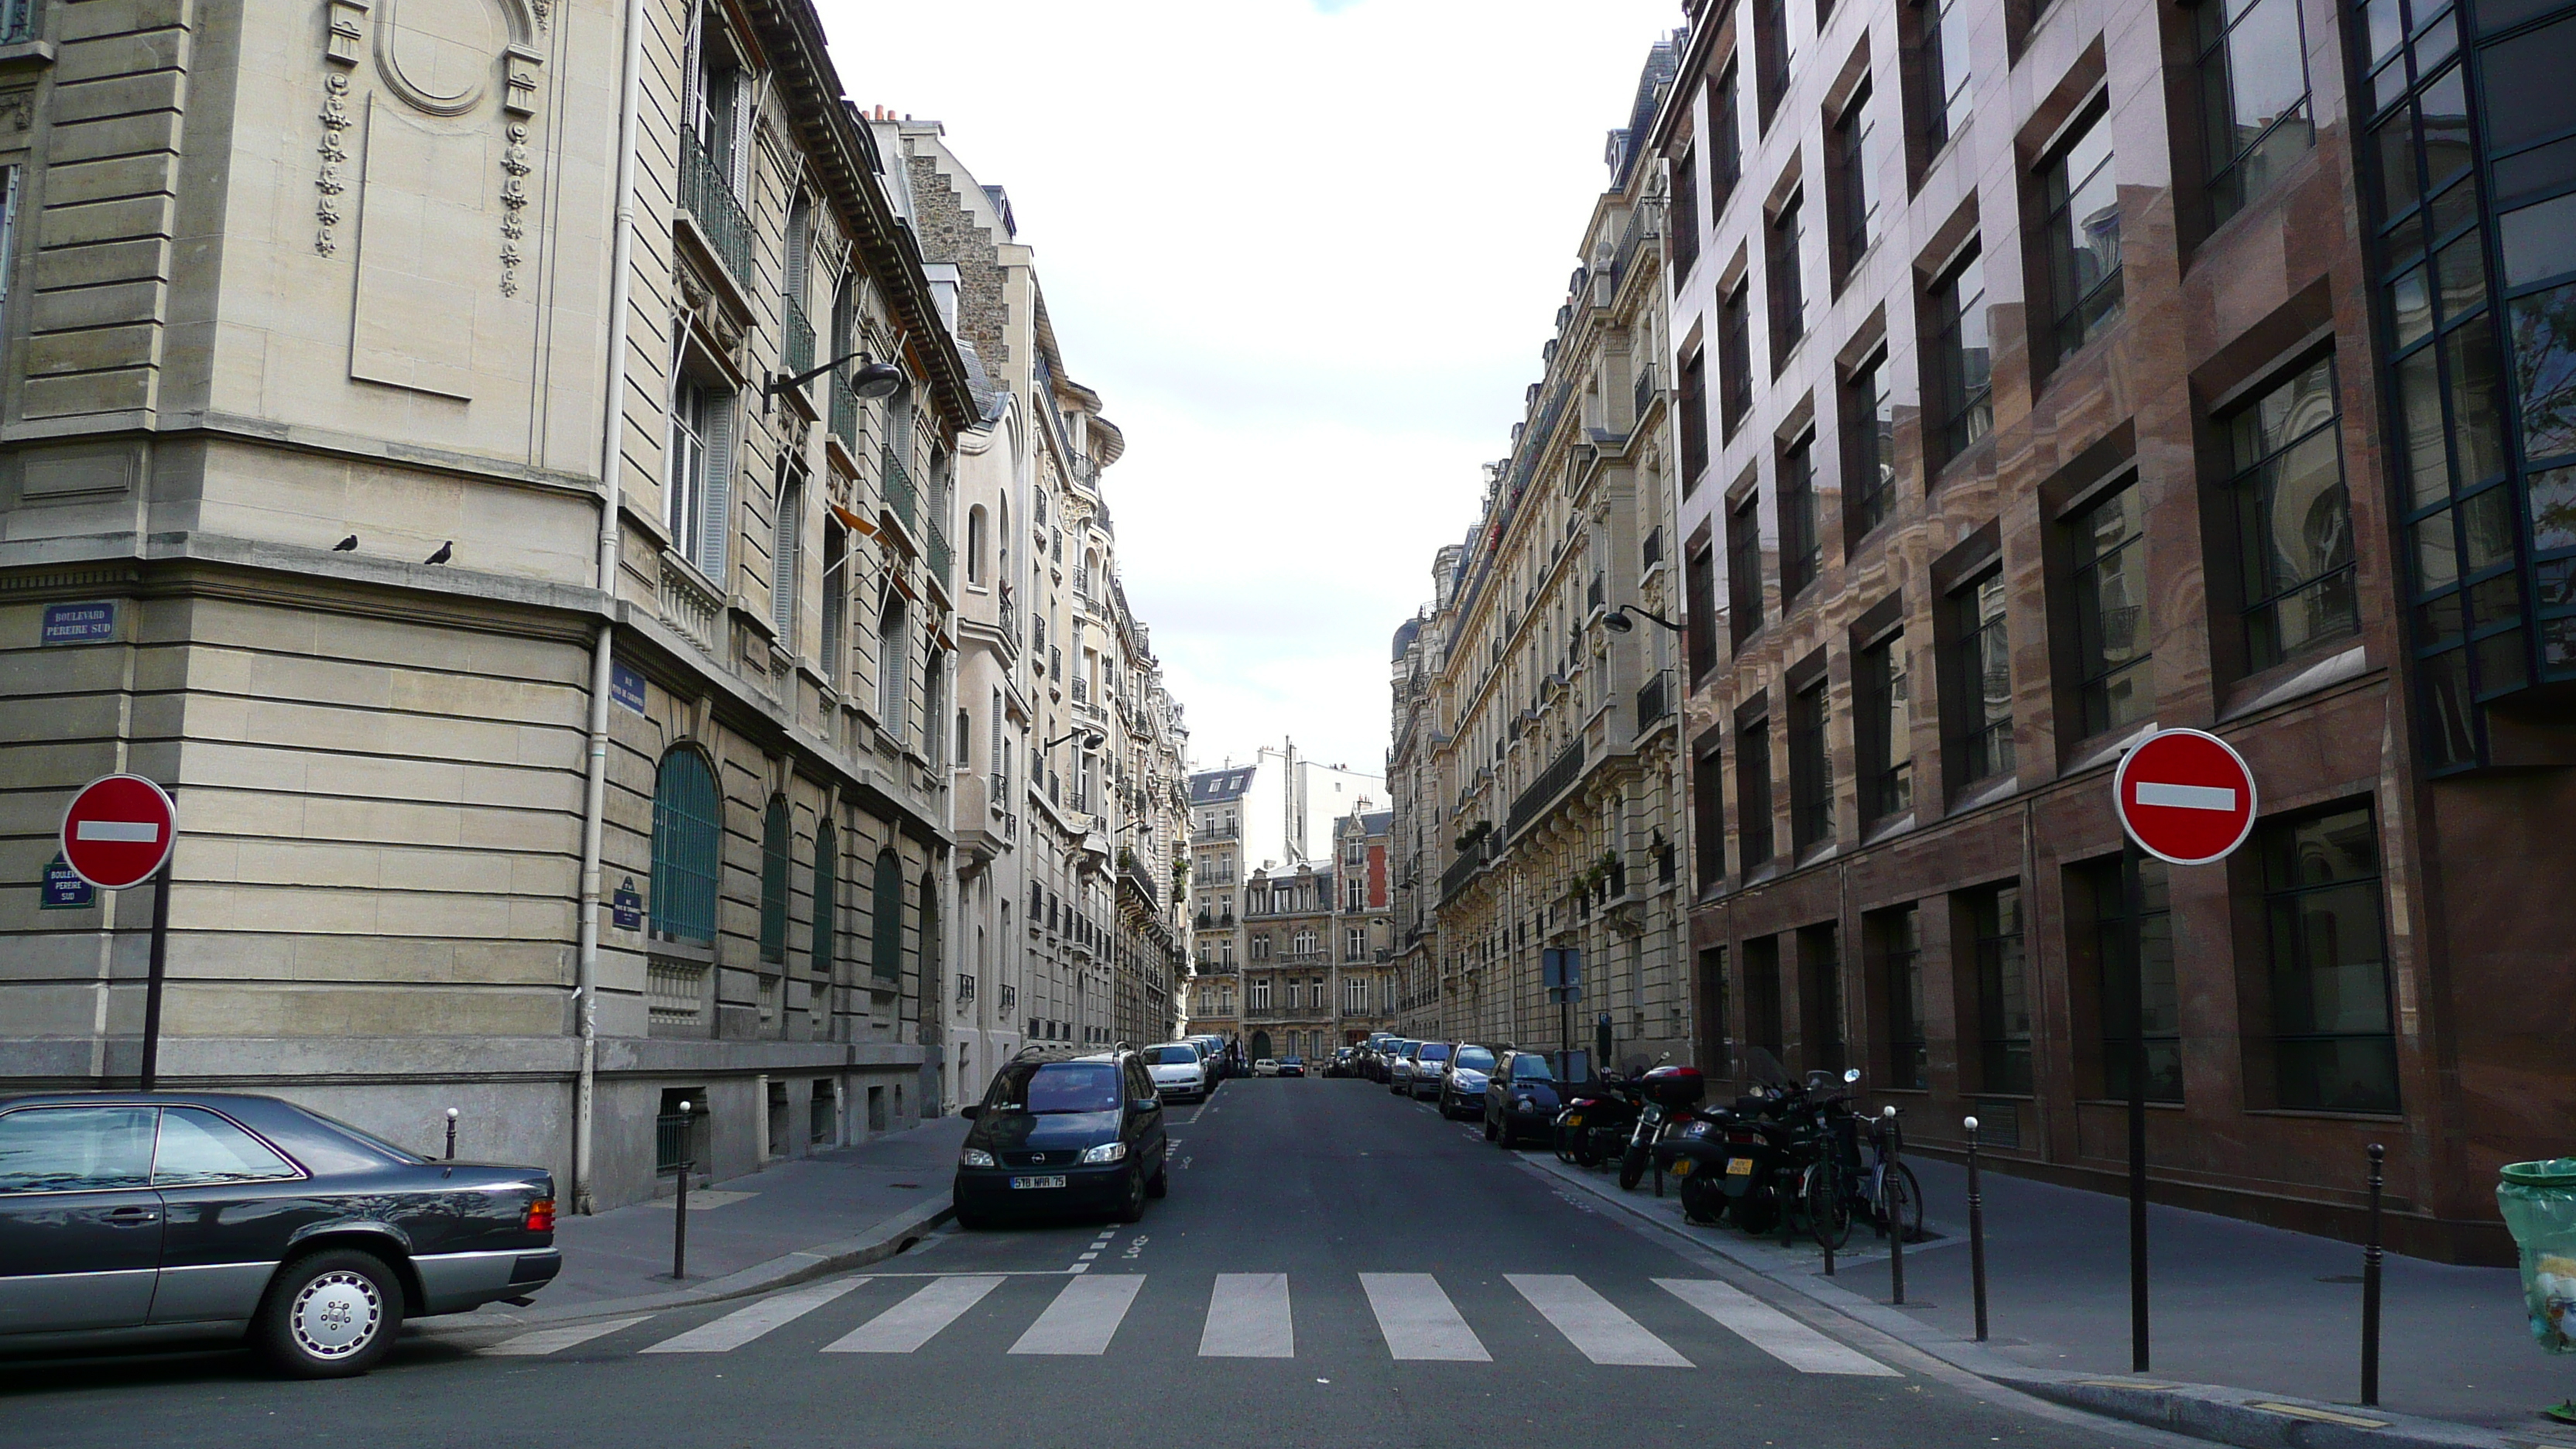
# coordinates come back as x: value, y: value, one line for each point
x: 1828, y: 1215
x: 1901, y: 1201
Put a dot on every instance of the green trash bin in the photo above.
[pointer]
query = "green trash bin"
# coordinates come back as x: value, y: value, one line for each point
x: 2539, y: 1202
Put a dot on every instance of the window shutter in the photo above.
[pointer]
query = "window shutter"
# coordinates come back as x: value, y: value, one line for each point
x: 786, y: 560
x: 715, y: 529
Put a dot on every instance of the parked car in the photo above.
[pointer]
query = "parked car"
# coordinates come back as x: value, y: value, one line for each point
x: 132, y: 1218
x: 1180, y: 1071
x: 1265, y: 1067
x: 1428, y: 1063
x: 1292, y: 1066
x: 1520, y: 1098
x: 1079, y: 1134
x: 1463, y: 1079
x: 1399, y: 1067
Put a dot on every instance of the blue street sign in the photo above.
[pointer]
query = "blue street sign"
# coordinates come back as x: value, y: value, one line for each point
x: 626, y: 906
x: 626, y: 686
x: 80, y: 623
x: 64, y: 889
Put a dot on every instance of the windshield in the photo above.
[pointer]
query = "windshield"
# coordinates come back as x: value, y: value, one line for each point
x: 1175, y: 1056
x: 1475, y: 1059
x: 1765, y: 1068
x: 1044, y: 1087
x: 1531, y: 1069
x: 1435, y: 1051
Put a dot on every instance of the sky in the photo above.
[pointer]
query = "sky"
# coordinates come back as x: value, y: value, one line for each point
x: 1307, y: 252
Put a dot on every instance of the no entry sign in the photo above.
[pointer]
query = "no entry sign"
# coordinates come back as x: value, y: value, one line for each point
x: 118, y: 831
x: 2185, y: 797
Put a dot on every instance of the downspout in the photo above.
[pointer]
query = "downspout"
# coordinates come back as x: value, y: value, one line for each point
x: 612, y: 433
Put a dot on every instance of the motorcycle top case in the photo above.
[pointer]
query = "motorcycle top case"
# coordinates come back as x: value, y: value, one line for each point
x: 1676, y: 1086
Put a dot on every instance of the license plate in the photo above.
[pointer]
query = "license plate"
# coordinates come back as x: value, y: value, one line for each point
x: 1573, y: 1119
x: 1037, y: 1182
x: 1682, y: 1167
x: 1739, y: 1167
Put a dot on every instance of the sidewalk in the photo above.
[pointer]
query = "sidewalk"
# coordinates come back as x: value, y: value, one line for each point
x: 795, y: 1219
x: 2246, y: 1309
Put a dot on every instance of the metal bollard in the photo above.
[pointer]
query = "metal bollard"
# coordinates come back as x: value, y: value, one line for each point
x: 1976, y: 1233
x: 451, y: 1134
x: 1824, y: 1232
x: 1895, y: 1222
x: 680, y: 1209
x: 2370, y: 1256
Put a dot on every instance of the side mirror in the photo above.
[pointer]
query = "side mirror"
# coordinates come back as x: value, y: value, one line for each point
x: 1850, y: 1075
x: 1146, y: 1104
x: 971, y: 1111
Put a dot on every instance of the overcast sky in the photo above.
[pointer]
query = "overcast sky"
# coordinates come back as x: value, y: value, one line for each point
x: 1307, y: 251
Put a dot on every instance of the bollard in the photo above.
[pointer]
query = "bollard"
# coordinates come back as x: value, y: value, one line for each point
x: 680, y: 1209
x: 1824, y: 1223
x: 2370, y: 1256
x: 1976, y: 1233
x: 1895, y: 1220
x: 451, y: 1134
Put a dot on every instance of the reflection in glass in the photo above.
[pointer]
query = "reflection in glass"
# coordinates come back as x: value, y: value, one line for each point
x: 2332, y: 1046
x: 2419, y: 397
x: 2160, y: 1028
x: 2410, y: 306
x: 2477, y: 420
x: 2294, y: 519
x: 2111, y: 612
x: 2544, y: 370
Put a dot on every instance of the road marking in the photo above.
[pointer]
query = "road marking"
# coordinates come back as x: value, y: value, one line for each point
x: 741, y: 1326
x: 1772, y: 1331
x: 1083, y: 1317
x: 916, y: 1320
x: 1248, y: 1317
x: 2186, y: 797
x: 554, y: 1340
x: 1592, y: 1323
x: 1419, y: 1321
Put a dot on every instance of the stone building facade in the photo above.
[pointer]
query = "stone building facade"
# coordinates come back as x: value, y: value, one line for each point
x: 1265, y: 819
x: 555, y: 692
x: 1540, y: 685
x: 2055, y: 373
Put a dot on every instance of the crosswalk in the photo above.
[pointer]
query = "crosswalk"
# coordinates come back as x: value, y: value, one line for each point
x: 1246, y: 1316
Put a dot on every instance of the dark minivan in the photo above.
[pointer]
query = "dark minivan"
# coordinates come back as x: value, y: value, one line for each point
x: 167, y: 1216
x: 1078, y: 1135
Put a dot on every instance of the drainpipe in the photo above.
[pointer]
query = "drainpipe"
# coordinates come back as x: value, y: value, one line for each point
x: 612, y: 432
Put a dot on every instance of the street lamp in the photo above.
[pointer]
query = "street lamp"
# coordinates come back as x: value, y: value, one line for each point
x: 873, y: 379
x: 1617, y: 621
x: 1091, y: 739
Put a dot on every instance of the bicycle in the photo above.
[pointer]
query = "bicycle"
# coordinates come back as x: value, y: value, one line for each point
x: 1889, y: 1191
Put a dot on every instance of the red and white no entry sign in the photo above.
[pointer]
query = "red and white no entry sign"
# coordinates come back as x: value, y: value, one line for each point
x: 118, y: 831
x: 2185, y: 797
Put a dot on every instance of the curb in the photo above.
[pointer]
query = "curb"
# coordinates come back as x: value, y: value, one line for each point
x: 786, y: 1270
x: 2241, y: 1417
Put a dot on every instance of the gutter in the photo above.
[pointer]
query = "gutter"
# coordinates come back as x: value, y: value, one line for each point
x: 612, y: 434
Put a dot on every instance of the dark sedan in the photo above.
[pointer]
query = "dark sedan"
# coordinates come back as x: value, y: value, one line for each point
x: 1520, y: 1098
x: 1050, y: 1137
x: 170, y: 1216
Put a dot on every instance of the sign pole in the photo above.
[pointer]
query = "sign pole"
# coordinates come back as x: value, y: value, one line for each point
x: 153, y: 978
x: 2134, y: 901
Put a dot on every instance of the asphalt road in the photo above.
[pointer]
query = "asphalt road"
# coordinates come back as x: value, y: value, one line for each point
x: 1334, y: 1265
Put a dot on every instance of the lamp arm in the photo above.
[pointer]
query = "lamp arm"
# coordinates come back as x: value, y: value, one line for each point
x: 778, y: 384
x: 1650, y: 617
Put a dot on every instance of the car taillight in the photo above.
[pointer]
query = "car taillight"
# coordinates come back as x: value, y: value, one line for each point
x: 541, y: 1215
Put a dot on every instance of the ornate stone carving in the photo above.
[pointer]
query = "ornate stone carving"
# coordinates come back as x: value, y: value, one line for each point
x: 347, y: 39
x: 19, y: 107
x: 331, y: 181
x: 514, y: 202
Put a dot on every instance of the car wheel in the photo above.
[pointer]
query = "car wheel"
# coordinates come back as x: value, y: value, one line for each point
x: 330, y: 1315
x: 972, y: 1222
x: 1491, y: 1133
x: 1133, y: 1209
x: 1160, y: 1184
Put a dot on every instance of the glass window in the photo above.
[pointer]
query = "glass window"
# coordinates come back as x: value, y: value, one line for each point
x: 2003, y: 993
x: 1855, y: 161
x: 885, y: 928
x: 2119, y: 984
x: 1886, y: 719
x: 1753, y: 793
x: 2332, y: 1044
x: 2111, y: 621
x: 1788, y: 284
x: 687, y: 839
x: 1735, y: 358
x: 1963, y: 379
x: 1985, y: 680
x: 1531, y: 1067
x: 776, y: 845
x: 199, y: 1149
x: 1802, y: 542
x: 1869, y: 443
x: 2544, y: 364
x: 1708, y: 813
x: 1899, y: 942
x: 76, y: 1149
x: 1946, y: 70
x: 1811, y: 766
x: 2293, y: 519
x: 1744, y: 568
x: 2254, y: 96
x: 2083, y: 231
x: 1475, y: 1059
x: 1039, y: 1088
x: 1685, y: 205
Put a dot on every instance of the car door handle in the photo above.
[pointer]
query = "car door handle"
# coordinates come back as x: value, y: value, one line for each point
x: 130, y: 1216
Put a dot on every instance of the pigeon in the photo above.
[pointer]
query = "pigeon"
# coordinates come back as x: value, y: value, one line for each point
x: 445, y: 552
x: 346, y: 544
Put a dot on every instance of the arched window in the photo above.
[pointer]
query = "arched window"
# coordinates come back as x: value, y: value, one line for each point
x: 777, y: 844
x: 886, y: 961
x: 930, y: 972
x: 687, y: 837
x: 827, y: 898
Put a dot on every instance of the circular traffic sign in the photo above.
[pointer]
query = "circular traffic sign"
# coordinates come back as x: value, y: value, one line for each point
x: 118, y: 831
x: 2185, y: 796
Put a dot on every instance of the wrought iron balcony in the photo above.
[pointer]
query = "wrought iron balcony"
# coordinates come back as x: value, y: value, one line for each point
x: 1654, y: 546
x: 707, y: 195
x: 797, y: 338
x: 845, y: 414
x: 1552, y: 782
x: 1655, y: 700
x: 902, y: 499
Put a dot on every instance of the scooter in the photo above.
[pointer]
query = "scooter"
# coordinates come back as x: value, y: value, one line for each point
x: 1671, y: 1095
x: 1594, y: 1125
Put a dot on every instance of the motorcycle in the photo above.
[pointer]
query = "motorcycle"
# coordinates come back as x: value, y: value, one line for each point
x: 1594, y: 1124
x: 1672, y: 1095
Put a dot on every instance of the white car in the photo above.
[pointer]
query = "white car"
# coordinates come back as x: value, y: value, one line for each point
x: 1265, y: 1068
x: 1179, y: 1071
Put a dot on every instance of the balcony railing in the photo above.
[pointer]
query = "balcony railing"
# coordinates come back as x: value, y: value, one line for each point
x: 798, y: 347
x: 1654, y: 548
x: 1655, y: 700
x: 845, y: 414
x: 1219, y: 832
x: 942, y: 557
x: 1593, y: 594
x: 1462, y: 870
x: 1645, y: 388
x: 901, y: 497
x: 707, y: 195
x: 1543, y: 791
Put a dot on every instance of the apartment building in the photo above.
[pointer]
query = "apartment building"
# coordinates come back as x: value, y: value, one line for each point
x: 1266, y: 817
x: 515, y: 522
x: 2057, y: 372
x: 1541, y: 684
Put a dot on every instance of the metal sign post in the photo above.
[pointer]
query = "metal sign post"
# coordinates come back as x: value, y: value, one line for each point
x: 118, y: 833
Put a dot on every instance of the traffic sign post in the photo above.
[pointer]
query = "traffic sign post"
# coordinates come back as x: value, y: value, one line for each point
x: 2187, y: 798
x: 117, y: 833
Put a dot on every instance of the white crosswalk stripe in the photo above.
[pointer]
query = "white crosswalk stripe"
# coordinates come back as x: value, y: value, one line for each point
x: 1419, y: 1321
x: 1248, y: 1317
x: 1772, y: 1331
x: 741, y: 1326
x: 917, y: 1319
x: 1592, y: 1323
x: 555, y: 1340
x: 1084, y: 1317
